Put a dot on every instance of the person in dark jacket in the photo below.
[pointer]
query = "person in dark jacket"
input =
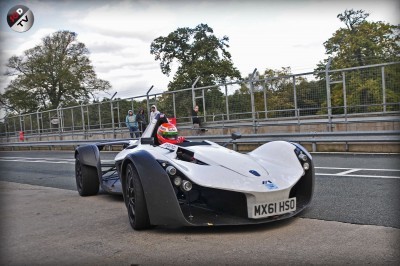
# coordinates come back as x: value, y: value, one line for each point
x: 196, y: 120
x: 141, y: 120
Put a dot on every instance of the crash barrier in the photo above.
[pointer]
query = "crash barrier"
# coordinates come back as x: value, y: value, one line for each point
x: 311, y: 139
x: 338, y: 124
x: 331, y: 141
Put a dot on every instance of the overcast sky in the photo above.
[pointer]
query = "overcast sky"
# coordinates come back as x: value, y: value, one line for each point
x: 118, y: 34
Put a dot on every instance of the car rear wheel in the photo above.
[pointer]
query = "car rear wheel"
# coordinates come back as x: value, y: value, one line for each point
x: 87, y: 181
x: 135, y: 200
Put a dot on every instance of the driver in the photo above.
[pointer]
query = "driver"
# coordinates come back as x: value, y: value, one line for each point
x: 167, y: 133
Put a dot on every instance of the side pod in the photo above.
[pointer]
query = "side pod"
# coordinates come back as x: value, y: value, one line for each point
x: 161, y: 201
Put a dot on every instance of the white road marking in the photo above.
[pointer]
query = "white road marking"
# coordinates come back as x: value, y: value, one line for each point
x: 43, y: 160
x: 34, y: 161
x: 345, y: 173
x: 375, y: 176
x: 348, y: 172
x: 366, y: 169
x: 36, y: 158
x: 352, y: 170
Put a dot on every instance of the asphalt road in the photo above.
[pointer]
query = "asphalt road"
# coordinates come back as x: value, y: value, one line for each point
x: 353, y: 219
x: 367, y: 193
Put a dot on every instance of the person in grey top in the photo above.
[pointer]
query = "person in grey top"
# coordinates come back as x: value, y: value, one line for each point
x: 132, y: 124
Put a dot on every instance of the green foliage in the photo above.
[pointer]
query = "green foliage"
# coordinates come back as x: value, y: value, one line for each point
x: 16, y: 96
x: 56, y: 71
x: 198, y: 52
x: 392, y: 77
x: 279, y: 89
x: 361, y: 42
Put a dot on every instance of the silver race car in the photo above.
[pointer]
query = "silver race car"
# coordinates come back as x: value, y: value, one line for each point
x: 199, y: 183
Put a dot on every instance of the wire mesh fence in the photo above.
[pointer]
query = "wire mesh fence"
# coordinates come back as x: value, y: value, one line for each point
x: 359, y: 90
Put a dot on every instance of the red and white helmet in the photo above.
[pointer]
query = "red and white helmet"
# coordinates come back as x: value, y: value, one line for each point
x: 167, y: 133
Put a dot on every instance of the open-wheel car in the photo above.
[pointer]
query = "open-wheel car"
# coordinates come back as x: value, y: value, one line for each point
x: 198, y: 183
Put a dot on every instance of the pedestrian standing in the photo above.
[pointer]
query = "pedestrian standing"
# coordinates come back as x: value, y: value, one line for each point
x: 154, y: 112
x: 196, y: 120
x: 141, y: 120
x: 132, y: 124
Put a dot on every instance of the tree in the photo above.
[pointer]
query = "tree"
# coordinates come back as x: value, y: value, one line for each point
x: 56, y: 71
x: 361, y: 42
x: 198, y: 53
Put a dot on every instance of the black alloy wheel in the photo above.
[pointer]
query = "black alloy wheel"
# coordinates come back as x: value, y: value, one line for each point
x: 135, y: 200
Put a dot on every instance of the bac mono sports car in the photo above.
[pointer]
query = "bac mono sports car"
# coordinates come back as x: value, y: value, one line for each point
x: 199, y: 183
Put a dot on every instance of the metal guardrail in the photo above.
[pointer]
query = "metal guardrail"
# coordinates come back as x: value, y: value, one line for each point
x: 306, y: 121
x: 57, y: 143
x: 309, y: 137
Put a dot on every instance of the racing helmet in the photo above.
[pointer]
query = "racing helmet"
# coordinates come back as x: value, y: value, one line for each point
x: 167, y: 133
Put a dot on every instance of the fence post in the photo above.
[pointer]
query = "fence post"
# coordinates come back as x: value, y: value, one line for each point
x: 226, y: 102
x: 6, y: 127
x: 253, y: 107
x: 328, y: 94
x: 173, y: 103
x: 112, y: 118
x: 383, y: 89
x: 118, y: 116
x: 38, y: 121
x: 148, y: 103
x: 99, y: 107
x: 30, y: 119
x: 88, y: 117
x: 15, y: 126
x: 83, y: 121
x: 112, y: 114
x: 296, y: 111
x: 59, y: 117
x: 194, y: 93
x: 21, y: 119
x: 344, y: 97
x: 265, y: 100
x: 6, y: 124
x: 72, y: 122
x: 204, y: 105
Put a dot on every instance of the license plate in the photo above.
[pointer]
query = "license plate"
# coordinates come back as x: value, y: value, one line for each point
x: 273, y: 208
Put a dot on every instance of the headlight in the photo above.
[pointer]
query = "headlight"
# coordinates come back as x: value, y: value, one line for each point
x: 186, y: 186
x: 177, y: 181
x: 303, y: 157
x: 306, y: 166
x: 171, y: 170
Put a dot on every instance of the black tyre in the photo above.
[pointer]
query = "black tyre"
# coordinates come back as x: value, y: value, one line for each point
x: 135, y: 200
x: 87, y: 180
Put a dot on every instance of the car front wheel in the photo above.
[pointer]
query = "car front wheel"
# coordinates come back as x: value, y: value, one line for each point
x: 135, y: 200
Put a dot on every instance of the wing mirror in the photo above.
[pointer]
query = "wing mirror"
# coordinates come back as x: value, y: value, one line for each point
x: 234, y: 136
x: 147, y: 141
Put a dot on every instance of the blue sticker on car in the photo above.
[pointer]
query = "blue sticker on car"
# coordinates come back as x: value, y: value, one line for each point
x: 270, y: 185
x: 254, y: 172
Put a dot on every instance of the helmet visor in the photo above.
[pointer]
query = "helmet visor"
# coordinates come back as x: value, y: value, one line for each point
x: 168, y: 134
